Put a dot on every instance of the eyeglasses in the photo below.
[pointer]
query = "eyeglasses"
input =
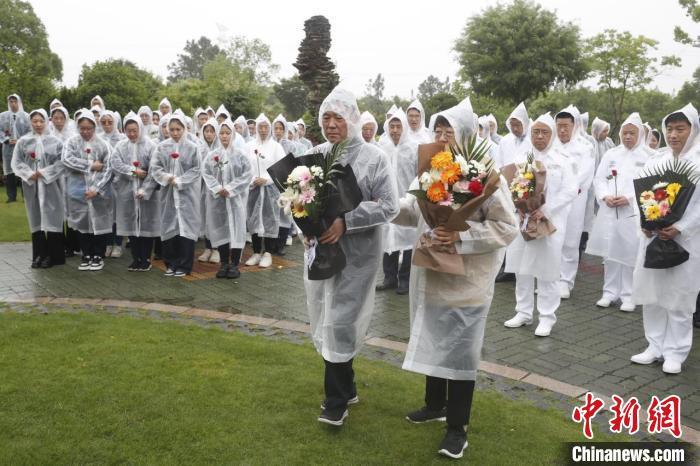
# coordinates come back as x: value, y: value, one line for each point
x: 439, y: 134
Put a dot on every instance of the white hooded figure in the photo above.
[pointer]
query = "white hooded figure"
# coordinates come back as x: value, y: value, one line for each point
x: 242, y: 128
x: 540, y: 259
x: 61, y: 127
x: 86, y: 158
x: 416, y: 122
x: 388, y: 115
x: 176, y: 167
x: 200, y: 117
x: 110, y: 133
x: 369, y: 128
x: 37, y: 162
x: 301, y: 127
x: 209, y: 141
x: 165, y: 107
x: 97, y: 101
x: 14, y: 123
x: 263, y: 211
x: 293, y: 137
x: 669, y: 295
x: 515, y: 145
x: 493, y: 124
x: 340, y: 308
x: 448, y: 312
x: 600, y: 130
x: 485, y: 134
x: 615, y: 234
x: 579, y: 153
x: 227, y: 175
x: 402, y: 151
x: 150, y: 130
x: 584, y: 129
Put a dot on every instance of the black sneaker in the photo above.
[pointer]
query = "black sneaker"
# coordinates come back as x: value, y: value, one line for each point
x: 223, y: 271
x: 96, y: 263
x: 84, y: 263
x: 453, y: 444
x: 402, y: 289
x: 36, y: 263
x: 352, y: 401
x: 179, y: 273
x: 169, y: 273
x: 144, y: 266
x: 333, y: 417
x: 233, y: 272
x: 46, y: 263
x: 133, y: 267
x: 386, y: 286
x: 426, y: 415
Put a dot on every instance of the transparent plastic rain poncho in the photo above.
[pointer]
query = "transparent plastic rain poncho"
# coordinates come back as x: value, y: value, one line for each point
x: 226, y: 216
x: 286, y: 144
x: 263, y: 211
x: 135, y: 217
x: 388, y: 114
x: 151, y: 130
x: 13, y: 125
x: 422, y: 135
x: 615, y: 234
x: 197, y: 126
x: 541, y: 258
x: 514, y: 149
x: 95, y: 215
x: 403, y: 160
x: 43, y: 198
x: 340, y: 308
x: 115, y: 136
x: 167, y: 103
x: 491, y: 118
x: 206, y: 148
x: 245, y: 133
x: 68, y: 130
x: 601, y: 147
x: 180, y: 203
x: 366, y: 118
x: 448, y: 312
x: 304, y: 142
x: 100, y: 102
x: 297, y: 147
x: 675, y: 288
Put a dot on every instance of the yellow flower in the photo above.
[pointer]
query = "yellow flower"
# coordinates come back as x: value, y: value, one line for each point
x: 646, y: 196
x: 653, y: 212
x: 441, y: 160
x: 672, y: 191
x: 529, y: 176
x: 299, y: 211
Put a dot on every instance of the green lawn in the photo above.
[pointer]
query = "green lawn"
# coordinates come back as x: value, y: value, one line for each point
x: 98, y: 388
x: 14, y: 221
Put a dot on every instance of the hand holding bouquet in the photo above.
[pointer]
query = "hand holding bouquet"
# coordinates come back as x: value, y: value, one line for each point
x: 527, y: 189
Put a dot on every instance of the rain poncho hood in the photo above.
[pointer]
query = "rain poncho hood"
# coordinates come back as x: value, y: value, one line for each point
x: 342, y: 102
x: 520, y: 114
x: 461, y: 119
x: 691, y: 114
x: 367, y: 117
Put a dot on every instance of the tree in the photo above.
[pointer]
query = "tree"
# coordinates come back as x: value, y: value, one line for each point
x: 187, y: 94
x: 622, y: 63
x: 291, y: 93
x: 375, y: 87
x: 253, y: 55
x: 518, y: 51
x: 432, y: 86
x: 692, y: 10
x: 438, y: 102
x: 690, y: 92
x: 28, y: 67
x: 190, y: 63
x: 237, y: 88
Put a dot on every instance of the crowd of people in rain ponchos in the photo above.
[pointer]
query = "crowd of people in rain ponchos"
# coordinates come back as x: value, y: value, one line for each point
x: 165, y: 180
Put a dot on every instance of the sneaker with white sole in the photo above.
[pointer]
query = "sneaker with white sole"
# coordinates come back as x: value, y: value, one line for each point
x: 423, y: 415
x: 108, y: 251
x: 671, y: 367
x: 266, y: 260
x: 544, y: 328
x: 648, y: 356
x: 564, y: 291
x: 290, y: 241
x: 97, y: 264
x: 518, y: 321
x: 169, y: 273
x: 84, y: 263
x: 352, y: 401
x: 333, y: 417
x: 205, y: 255
x: 116, y: 252
x: 604, y: 302
x: 214, y: 258
x: 627, y: 306
x: 254, y: 260
x: 179, y: 273
x: 453, y: 444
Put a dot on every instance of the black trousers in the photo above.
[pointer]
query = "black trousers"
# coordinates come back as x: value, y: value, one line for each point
x: 158, y: 248
x: 282, y: 238
x: 93, y: 245
x: 392, y: 272
x: 270, y: 244
x: 48, y: 244
x: 141, y: 248
x: 72, y: 239
x: 339, y: 384
x: 226, y: 254
x: 456, y: 395
x: 696, y: 316
x: 11, y: 186
x: 178, y: 253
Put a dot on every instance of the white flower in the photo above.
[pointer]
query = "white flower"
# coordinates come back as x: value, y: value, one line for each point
x: 317, y: 171
x: 663, y: 184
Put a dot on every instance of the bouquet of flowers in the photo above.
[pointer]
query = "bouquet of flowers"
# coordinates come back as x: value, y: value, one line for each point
x: 317, y: 189
x: 663, y: 193
x: 527, y: 189
x: 453, y: 184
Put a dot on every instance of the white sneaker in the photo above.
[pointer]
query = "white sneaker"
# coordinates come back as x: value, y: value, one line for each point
x: 214, y: 258
x: 518, y: 321
x: 254, y: 259
x: 266, y: 260
x: 564, y: 291
x: 544, y: 328
x: 290, y: 241
x: 205, y: 255
x: 116, y: 252
x: 604, y: 302
x: 627, y: 306
x: 108, y: 251
x: 647, y: 357
x: 671, y: 367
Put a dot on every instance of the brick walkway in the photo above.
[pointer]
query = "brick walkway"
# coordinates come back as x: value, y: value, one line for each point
x: 589, y: 347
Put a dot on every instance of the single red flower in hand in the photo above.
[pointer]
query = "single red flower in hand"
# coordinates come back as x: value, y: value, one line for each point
x: 216, y: 158
x: 88, y: 151
x: 33, y: 155
x: 174, y: 155
x: 476, y: 187
x: 660, y: 194
x: 614, y: 172
x: 136, y: 163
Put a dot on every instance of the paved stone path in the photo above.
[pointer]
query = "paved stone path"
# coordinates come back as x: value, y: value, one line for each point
x: 589, y: 348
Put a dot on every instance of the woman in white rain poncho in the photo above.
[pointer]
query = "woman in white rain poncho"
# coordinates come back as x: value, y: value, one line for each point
x: 14, y: 123
x: 402, y: 150
x: 301, y: 126
x: 241, y: 127
x: 263, y: 211
x: 209, y: 138
x: 540, y: 259
x: 340, y: 308
x: 200, y: 118
x: 63, y: 128
x: 369, y: 127
x: 448, y: 312
x: 37, y: 162
x: 514, y: 146
x: 165, y: 107
x: 176, y: 167
x: 600, y: 129
x: 279, y: 132
x: 110, y: 134
x: 416, y: 122
x: 615, y: 234
x: 493, y: 125
x: 150, y: 130
x: 227, y: 175
x: 293, y: 137
x: 137, y: 202
x: 86, y: 158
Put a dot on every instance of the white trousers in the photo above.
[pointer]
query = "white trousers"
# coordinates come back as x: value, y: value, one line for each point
x: 669, y: 333
x: 569, y: 265
x: 548, y: 298
x: 618, y: 282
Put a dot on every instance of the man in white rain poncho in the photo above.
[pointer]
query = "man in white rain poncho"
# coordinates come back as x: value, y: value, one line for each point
x: 150, y: 130
x: 388, y: 115
x: 209, y: 140
x: 37, y: 162
x: 263, y: 211
x: 279, y: 133
x: 110, y: 134
x: 14, y: 123
x: 402, y: 151
x: 615, y: 233
x: 493, y: 124
x: 227, y: 175
x: 340, y: 308
x: 86, y: 158
x: 137, y: 202
x: 579, y: 154
x: 176, y: 167
x: 293, y: 137
x: 416, y: 122
x: 584, y: 129
x: 369, y: 127
x: 600, y: 129
x: 540, y: 258
x: 515, y: 145
x: 448, y: 312
x: 669, y: 295
x: 301, y: 126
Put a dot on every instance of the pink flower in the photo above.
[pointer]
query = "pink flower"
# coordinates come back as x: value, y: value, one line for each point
x: 174, y: 155
x: 448, y: 202
x: 664, y: 207
x: 461, y: 187
x: 308, y: 196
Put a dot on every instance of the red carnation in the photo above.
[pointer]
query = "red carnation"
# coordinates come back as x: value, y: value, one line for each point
x: 476, y: 187
x: 136, y: 163
x: 216, y: 158
x: 88, y: 150
x: 614, y: 172
x: 33, y: 155
x: 660, y: 194
x: 174, y: 155
x: 526, y: 195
